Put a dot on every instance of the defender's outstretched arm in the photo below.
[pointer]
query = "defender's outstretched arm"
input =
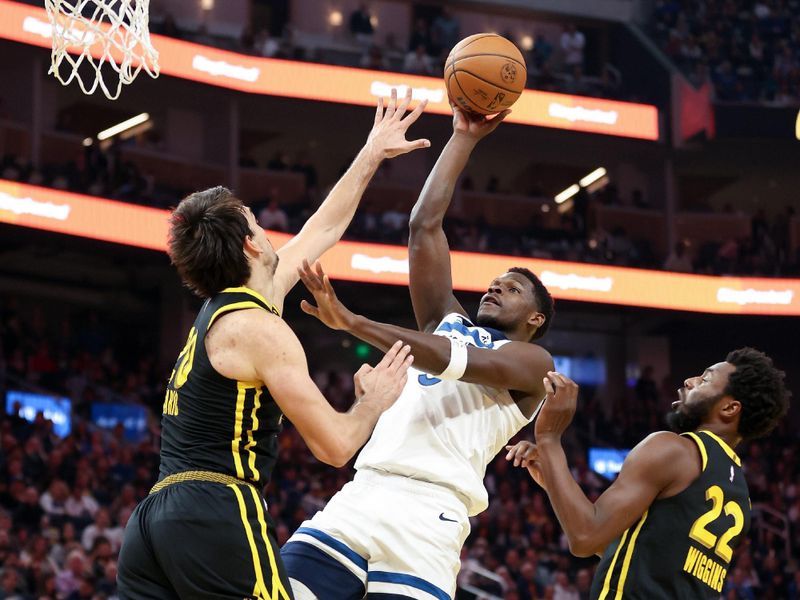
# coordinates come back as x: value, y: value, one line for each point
x: 327, y: 225
x: 277, y: 359
x: 653, y: 467
x: 514, y: 366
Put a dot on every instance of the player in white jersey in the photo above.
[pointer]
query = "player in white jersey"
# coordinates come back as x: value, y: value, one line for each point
x: 397, y: 529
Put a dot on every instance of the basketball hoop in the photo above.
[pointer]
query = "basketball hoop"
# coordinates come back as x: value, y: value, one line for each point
x: 88, y: 34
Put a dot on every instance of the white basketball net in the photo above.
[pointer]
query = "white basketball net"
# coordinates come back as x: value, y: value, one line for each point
x: 101, y: 32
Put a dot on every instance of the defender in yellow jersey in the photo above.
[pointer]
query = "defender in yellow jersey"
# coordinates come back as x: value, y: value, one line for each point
x: 204, y: 531
x: 668, y: 526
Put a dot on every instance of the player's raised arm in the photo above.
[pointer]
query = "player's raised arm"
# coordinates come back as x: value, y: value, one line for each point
x: 514, y: 366
x: 327, y: 225
x: 652, y: 467
x: 279, y: 362
x: 431, y: 282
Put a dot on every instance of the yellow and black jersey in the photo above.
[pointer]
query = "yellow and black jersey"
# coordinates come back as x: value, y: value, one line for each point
x: 682, y: 546
x: 212, y: 423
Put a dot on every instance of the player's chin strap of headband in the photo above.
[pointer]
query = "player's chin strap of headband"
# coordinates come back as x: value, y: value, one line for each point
x: 458, y: 361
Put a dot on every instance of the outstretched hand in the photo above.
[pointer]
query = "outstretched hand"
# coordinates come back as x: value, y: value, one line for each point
x: 388, y: 136
x: 473, y: 125
x: 329, y: 309
x: 526, y: 455
x: 382, y: 384
x: 558, y: 408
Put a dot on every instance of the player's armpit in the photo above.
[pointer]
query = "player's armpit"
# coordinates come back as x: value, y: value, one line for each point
x: 280, y: 363
x: 654, y: 465
x: 515, y: 366
x: 278, y: 360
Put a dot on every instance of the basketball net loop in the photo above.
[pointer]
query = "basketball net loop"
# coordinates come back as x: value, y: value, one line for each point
x: 100, y: 32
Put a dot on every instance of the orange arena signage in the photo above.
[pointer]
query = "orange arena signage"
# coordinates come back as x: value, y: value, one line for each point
x: 30, y: 25
x: 107, y: 220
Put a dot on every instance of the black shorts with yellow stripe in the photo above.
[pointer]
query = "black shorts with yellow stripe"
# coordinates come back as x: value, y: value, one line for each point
x: 201, y: 540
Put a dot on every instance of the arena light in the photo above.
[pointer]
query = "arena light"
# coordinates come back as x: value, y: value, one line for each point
x: 568, y: 193
x: 207, y: 4
x: 124, y: 126
x: 797, y: 126
x: 526, y: 42
x: 598, y: 173
x: 335, y: 18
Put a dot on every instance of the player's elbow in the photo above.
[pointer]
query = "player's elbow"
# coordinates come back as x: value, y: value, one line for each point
x: 337, y: 461
x: 336, y: 453
x: 420, y: 223
x: 582, y: 545
x: 333, y: 459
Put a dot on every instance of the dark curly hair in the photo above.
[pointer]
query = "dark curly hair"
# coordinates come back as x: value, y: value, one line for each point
x: 759, y: 387
x: 544, y: 301
x: 206, y: 238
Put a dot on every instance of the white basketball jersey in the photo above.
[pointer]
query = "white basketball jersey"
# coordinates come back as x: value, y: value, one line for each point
x: 446, y: 432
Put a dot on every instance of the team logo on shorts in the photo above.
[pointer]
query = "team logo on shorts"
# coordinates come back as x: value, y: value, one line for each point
x: 508, y: 72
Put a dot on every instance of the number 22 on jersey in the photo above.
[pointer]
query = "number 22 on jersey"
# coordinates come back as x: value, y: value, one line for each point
x: 701, y: 534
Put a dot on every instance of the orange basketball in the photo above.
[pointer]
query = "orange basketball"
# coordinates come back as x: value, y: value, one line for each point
x: 485, y: 73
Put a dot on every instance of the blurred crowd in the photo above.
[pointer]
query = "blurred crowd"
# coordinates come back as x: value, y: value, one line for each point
x: 553, y: 64
x: 577, y: 237
x: 766, y: 251
x: 104, y: 174
x: 64, y: 502
x: 749, y: 49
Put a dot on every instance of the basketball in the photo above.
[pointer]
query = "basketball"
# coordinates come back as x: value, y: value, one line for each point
x: 485, y: 73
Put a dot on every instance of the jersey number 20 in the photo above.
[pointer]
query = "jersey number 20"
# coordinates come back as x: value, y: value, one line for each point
x: 700, y: 534
x: 180, y: 374
x: 185, y: 360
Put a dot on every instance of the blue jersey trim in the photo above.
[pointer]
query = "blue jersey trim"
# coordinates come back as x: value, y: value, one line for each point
x: 409, y: 580
x: 494, y: 335
x: 336, y: 545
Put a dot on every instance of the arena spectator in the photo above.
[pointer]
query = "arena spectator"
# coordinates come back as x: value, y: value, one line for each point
x: 572, y: 44
x: 418, y: 62
x: 273, y: 217
x: 445, y: 32
x: 750, y: 49
x: 374, y: 58
x: 70, y: 578
x: 679, y: 260
x: 361, y: 25
x: 420, y: 36
x: 393, y: 223
x: 81, y: 505
x: 303, y: 165
x: 168, y: 27
x: 279, y: 162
